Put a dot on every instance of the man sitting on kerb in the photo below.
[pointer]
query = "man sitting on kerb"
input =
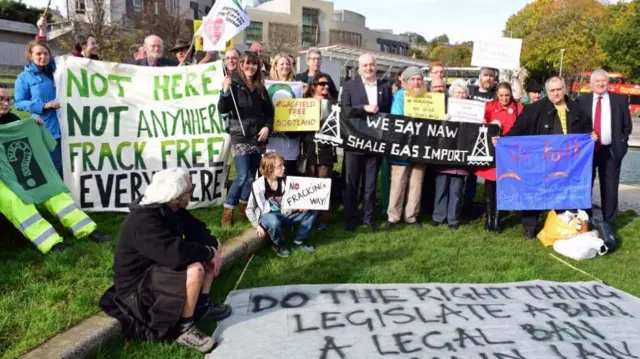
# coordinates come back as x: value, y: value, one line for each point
x: 164, y: 264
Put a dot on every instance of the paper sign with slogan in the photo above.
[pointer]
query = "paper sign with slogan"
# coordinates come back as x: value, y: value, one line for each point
x: 429, y: 105
x: 307, y: 193
x: 501, y: 53
x: 466, y: 110
x: 524, y: 320
x: 297, y: 115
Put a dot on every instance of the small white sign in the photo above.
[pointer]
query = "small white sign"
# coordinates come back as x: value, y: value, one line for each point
x: 307, y: 193
x: 466, y: 110
x: 502, y: 53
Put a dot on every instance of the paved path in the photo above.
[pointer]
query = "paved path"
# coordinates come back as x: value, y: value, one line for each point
x: 628, y: 198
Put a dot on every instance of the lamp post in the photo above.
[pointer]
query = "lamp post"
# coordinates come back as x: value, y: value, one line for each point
x: 561, y: 58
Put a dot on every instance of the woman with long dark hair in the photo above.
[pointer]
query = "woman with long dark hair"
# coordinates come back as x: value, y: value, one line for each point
x: 250, y: 119
x: 320, y: 157
x: 86, y: 46
x: 503, y: 111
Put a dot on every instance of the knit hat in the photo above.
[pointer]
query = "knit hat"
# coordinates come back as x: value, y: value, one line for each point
x: 410, y: 71
x: 534, y: 87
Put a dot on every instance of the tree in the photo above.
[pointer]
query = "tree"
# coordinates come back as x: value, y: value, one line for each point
x: 621, y: 39
x: 547, y: 26
x: 419, y: 54
x: 415, y: 38
x: 438, y: 40
x: 113, y: 38
x: 452, y: 55
x: 282, y: 38
x: 168, y: 24
x: 19, y: 11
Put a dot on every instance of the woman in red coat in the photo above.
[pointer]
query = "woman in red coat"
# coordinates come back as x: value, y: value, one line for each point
x: 503, y: 111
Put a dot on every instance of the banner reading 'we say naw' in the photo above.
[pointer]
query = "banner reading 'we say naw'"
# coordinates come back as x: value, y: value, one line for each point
x: 122, y: 123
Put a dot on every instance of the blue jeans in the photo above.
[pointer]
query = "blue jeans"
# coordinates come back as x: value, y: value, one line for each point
x: 246, y: 167
x: 273, y: 222
x: 448, y: 199
x: 56, y: 158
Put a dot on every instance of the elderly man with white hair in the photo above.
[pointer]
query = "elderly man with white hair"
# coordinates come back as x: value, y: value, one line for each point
x: 368, y: 94
x: 164, y: 264
x: 154, y: 48
x: 611, y: 118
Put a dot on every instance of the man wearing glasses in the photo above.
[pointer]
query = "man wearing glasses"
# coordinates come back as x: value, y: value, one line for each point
x: 314, y: 60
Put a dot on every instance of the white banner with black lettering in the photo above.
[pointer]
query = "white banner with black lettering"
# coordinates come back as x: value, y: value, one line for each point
x: 532, y: 320
x: 122, y: 123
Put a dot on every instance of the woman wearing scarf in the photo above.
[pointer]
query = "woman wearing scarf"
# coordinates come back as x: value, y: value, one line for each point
x: 35, y: 92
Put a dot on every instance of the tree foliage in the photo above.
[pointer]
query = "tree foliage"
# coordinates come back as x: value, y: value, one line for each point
x: 21, y: 12
x: 452, y: 55
x: 620, y: 40
x: 418, y: 54
x: 547, y: 26
x: 415, y: 38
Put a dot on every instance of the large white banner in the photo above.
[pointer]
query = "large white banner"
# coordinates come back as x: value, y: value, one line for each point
x: 122, y: 123
x: 525, y: 320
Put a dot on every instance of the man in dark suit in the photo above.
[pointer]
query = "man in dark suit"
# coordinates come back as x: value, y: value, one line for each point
x: 154, y: 47
x: 314, y: 61
x: 553, y: 115
x: 611, y: 120
x: 369, y: 94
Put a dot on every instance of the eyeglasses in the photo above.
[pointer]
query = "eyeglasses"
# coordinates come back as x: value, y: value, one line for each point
x: 7, y: 100
x: 314, y: 59
x: 323, y: 84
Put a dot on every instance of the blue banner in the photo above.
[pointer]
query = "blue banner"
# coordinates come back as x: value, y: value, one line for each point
x: 544, y: 172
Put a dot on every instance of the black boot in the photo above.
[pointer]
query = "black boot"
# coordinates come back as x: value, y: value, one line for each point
x: 489, y: 214
x: 100, y: 237
x: 496, y: 222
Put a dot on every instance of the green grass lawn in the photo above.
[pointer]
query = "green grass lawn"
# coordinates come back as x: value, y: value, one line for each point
x: 41, y: 296
x: 408, y: 255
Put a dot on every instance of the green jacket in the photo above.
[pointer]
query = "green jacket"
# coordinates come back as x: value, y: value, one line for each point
x: 25, y: 164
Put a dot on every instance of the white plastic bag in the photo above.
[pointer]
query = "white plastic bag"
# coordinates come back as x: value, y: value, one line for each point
x: 583, y: 246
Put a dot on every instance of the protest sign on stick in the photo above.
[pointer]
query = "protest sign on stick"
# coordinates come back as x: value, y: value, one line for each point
x: 297, y: 115
x: 500, y: 53
x: 122, y: 123
x: 226, y: 19
x: 307, y: 193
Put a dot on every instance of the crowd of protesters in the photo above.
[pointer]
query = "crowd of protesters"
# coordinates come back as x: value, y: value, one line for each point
x: 166, y: 259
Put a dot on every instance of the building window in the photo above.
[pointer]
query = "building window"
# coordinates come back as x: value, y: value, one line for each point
x: 345, y: 37
x: 81, y: 6
x: 310, y: 27
x: 254, y: 31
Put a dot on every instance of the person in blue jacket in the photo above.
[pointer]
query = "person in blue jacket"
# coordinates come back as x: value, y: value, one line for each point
x: 35, y: 92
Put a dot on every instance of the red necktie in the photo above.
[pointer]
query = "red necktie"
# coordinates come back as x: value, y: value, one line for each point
x: 597, y: 122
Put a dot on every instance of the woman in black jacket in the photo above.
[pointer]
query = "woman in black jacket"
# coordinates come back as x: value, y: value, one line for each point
x: 250, y: 119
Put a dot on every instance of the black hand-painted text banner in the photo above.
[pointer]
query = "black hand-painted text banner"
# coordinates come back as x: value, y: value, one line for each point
x: 417, y: 140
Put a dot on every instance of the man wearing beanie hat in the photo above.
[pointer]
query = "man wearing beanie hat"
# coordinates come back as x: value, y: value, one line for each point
x: 534, y: 92
x: 163, y: 267
x: 406, y: 172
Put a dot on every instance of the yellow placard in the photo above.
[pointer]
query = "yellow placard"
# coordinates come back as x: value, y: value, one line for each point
x: 293, y: 114
x: 429, y: 105
x: 199, y: 42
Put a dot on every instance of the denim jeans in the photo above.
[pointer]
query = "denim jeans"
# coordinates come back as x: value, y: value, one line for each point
x: 273, y: 222
x: 246, y: 167
x: 448, y: 199
x: 56, y: 157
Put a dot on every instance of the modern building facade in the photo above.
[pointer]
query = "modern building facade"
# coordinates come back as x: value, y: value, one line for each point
x: 310, y: 23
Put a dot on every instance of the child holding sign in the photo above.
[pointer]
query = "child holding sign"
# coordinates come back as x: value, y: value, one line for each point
x: 265, y: 212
